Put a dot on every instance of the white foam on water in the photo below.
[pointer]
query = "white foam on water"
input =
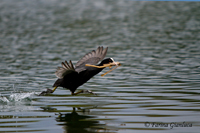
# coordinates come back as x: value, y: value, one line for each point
x: 16, y: 102
x: 20, y: 96
x: 4, y: 99
x: 17, y: 97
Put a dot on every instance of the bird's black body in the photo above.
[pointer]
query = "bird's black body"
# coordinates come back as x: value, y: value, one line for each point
x: 71, y: 78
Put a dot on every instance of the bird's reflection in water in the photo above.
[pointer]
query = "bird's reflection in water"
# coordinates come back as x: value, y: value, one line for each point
x: 75, y: 123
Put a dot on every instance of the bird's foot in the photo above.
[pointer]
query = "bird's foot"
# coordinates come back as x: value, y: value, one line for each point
x: 48, y: 91
x: 89, y: 91
x: 84, y: 91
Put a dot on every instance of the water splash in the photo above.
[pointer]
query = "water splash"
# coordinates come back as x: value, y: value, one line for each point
x: 4, y: 99
x: 16, y: 102
x: 17, y: 97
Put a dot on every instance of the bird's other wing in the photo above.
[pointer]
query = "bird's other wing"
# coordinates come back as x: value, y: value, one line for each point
x: 66, y: 68
x: 91, y: 58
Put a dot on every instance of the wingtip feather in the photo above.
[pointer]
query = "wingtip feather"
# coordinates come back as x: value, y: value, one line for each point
x: 100, y: 52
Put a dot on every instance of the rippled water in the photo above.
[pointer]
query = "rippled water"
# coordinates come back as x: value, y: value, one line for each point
x: 155, y: 89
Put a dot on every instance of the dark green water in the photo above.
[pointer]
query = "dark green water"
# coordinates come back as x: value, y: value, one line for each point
x: 158, y: 84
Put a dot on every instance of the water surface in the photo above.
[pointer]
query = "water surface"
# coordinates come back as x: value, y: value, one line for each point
x: 155, y: 89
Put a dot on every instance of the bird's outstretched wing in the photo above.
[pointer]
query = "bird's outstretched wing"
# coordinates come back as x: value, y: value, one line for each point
x: 91, y: 58
x: 66, y: 68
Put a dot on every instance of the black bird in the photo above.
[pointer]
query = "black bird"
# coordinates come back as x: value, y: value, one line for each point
x: 71, y: 77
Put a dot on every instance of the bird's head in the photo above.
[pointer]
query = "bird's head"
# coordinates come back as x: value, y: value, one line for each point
x: 109, y: 61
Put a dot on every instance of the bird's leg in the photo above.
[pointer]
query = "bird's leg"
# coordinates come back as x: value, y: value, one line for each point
x: 77, y: 92
x: 84, y: 91
x: 54, y: 89
x: 48, y: 91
